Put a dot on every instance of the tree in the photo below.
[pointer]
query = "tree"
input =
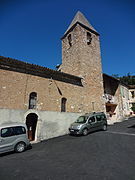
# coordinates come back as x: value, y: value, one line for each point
x: 115, y: 76
x: 127, y: 79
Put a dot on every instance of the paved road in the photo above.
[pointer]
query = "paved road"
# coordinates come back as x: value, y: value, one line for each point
x: 102, y: 155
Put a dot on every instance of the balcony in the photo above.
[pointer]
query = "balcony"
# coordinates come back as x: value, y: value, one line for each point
x: 110, y: 99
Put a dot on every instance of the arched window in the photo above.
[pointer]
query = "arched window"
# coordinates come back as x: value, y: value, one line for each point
x: 63, y: 104
x: 33, y: 100
x: 70, y: 39
x: 89, y: 38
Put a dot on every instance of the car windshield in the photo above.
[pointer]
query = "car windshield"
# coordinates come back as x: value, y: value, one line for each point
x: 82, y: 119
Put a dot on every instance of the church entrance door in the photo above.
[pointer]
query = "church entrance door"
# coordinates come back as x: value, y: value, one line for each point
x: 31, y: 122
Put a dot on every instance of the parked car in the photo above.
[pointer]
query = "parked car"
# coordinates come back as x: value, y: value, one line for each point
x: 13, y: 137
x: 88, y: 123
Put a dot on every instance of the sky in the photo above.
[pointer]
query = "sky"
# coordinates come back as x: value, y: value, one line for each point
x: 31, y: 30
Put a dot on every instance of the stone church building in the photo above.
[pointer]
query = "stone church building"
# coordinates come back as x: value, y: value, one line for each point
x: 49, y: 100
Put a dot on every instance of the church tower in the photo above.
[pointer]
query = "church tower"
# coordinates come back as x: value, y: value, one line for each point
x: 81, y: 57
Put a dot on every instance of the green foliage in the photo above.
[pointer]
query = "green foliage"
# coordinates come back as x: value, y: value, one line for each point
x: 127, y: 79
x: 115, y: 76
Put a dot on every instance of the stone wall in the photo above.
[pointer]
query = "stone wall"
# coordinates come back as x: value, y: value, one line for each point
x: 50, y: 124
x: 124, y: 92
x: 84, y: 60
x: 16, y: 87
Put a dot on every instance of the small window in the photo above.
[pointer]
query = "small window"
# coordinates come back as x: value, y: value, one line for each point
x: 127, y: 106
x: 63, y: 104
x: 70, y: 39
x: 133, y: 94
x: 99, y: 118
x: 89, y: 38
x: 103, y: 117
x: 122, y: 92
x: 19, y: 130
x: 6, y: 132
x: 33, y: 100
x: 92, y: 119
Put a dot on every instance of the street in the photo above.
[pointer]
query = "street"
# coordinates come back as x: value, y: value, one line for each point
x: 108, y: 155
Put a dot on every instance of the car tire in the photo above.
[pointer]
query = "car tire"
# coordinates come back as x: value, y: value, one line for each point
x: 20, y: 147
x: 104, y: 127
x: 85, y: 132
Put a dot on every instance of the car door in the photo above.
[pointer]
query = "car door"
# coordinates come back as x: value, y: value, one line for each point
x: 99, y: 122
x: 6, y: 139
x: 92, y: 124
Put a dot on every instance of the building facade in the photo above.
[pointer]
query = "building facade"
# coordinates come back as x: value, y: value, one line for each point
x: 117, y: 99
x: 49, y: 100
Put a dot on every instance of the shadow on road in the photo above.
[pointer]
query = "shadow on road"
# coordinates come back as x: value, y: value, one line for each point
x: 13, y: 152
x: 125, y: 126
x: 133, y: 126
x: 7, y: 153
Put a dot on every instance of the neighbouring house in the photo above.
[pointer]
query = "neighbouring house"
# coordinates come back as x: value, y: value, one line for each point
x: 116, y: 97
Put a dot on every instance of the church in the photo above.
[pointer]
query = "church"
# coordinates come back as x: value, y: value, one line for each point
x: 49, y: 100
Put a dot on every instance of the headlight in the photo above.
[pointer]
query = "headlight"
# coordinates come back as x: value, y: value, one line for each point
x: 78, y: 127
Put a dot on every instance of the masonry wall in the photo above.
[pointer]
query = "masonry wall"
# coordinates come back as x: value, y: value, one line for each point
x: 84, y: 60
x: 16, y: 87
x: 49, y: 124
x: 125, y: 100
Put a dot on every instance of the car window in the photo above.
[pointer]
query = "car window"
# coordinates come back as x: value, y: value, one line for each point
x: 99, y: 118
x: 19, y: 130
x: 6, y: 132
x: 82, y: 119
x: 12, y: 131
x: 92, y: 119
x: 103, y: 117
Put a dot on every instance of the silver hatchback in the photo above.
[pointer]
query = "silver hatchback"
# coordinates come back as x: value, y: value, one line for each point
x: 13, y: 137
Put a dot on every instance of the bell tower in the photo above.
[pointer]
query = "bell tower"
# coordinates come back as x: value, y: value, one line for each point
x: 81, y: 57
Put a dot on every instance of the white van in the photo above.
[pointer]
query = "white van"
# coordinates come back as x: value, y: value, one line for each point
x: 13, y: 137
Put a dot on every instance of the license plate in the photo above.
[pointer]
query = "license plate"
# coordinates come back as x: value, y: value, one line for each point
x: 72, y: 130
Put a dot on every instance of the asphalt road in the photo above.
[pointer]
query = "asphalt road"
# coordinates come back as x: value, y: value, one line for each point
x: 101, y: 155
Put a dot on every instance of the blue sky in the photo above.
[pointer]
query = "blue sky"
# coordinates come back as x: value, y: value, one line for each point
x: 30, y: 30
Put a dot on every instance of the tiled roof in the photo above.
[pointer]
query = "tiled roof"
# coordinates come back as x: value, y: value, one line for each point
x: 111, y: 77
x: 115, y: 79
x: 24, y: 67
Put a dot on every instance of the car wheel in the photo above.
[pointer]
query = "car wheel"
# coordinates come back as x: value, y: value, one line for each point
x: 85, y: 132
x: 104, y: 127
x: 20, y: 147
